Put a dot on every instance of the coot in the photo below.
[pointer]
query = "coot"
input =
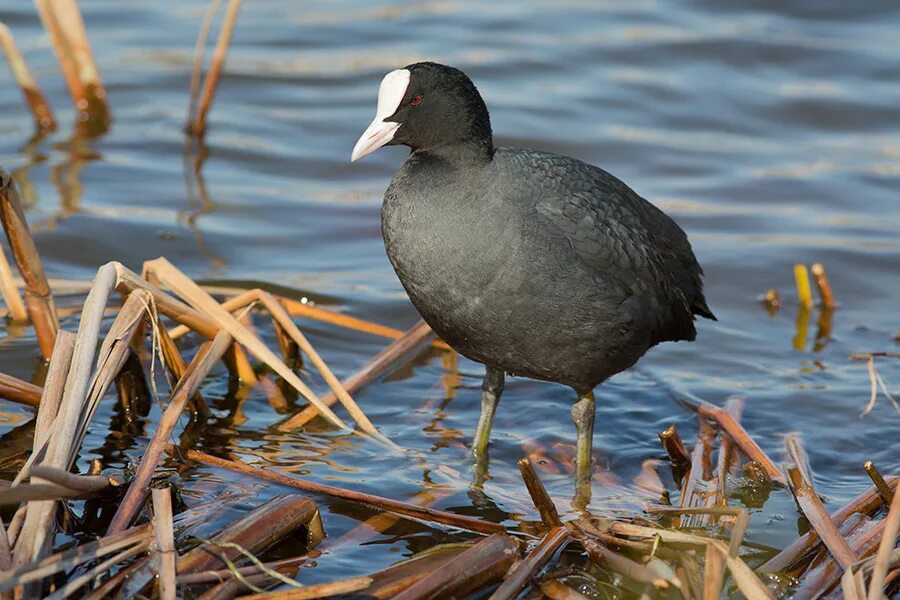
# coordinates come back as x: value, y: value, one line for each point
x: 532, y: 263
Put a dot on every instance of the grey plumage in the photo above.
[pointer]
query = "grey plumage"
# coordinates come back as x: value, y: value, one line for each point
x: 539, y: 264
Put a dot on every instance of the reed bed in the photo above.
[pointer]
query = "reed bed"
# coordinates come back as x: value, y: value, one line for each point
x: 684, y: 543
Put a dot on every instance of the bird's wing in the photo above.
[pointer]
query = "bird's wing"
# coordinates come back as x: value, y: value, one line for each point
x: 607, y: 231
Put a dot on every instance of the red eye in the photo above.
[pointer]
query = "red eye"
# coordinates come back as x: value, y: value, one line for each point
x: 416, y: 100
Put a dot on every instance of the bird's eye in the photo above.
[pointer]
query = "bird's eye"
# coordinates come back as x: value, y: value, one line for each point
x: 416, y: 100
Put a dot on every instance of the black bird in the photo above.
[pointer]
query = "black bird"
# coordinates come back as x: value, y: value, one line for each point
x: 532, y: 263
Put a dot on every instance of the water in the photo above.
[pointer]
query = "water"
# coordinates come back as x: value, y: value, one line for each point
x: 771, y: 134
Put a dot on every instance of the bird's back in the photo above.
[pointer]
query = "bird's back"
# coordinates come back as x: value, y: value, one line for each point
x: 615, y: 231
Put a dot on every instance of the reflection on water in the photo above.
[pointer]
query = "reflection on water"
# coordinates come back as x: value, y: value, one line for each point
x: 772, y: 134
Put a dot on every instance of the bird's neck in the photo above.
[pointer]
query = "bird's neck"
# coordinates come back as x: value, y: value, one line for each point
x: 461, y: 154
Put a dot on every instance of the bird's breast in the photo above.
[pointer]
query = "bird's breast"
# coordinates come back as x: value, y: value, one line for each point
x: 457, y: 261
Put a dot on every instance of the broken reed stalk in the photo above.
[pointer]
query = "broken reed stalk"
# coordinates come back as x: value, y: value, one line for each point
x: 393, y: 580
x: 138, y: 574
x: 40, y: 492
x: 801, y: 278
x: 882, y: 557
x: 199, y: 50
x: 9, y: 290
x: 699, y: 488
x: 15, y: 525
x: 290, y: 350
x: 826, y: 575
x: 815, y: 512
x: 174, y: 279
x: 127, y: 281
x: 539, y: 496
x: 38, y: 297
x: 797, y: 456
x: 16, y: 390
x: 818, y: 271
x: 165, y: 541
x: 78, y: 483
x: 34, y: 98
x: 318, y: 590
x: 300, y: 309
x: 598, y: 553
x: 199, y: 298
x: 395, y: 506
x: 176, y: 367
x: 258, y: 529
x: 112, y: 356
x: 746, y: 444
x: 483, y: 563
x: 380, y: 523
x: 674, y: 447
x: 290, y: 328
x: 205, y: 359
x: 296, y: 308
x: 63, y: 22
x: 713, y: 573
x: 853, y: 583
x: 865, y: 503
x: 81, y: 394
x: 746, y: 580
x: 381, y: 362
x: 72, y: 585
x: 224, y: 575
x: 734, y: 406
x: 228, y: 590
x: 36, y: 570
x: 604, y: 557
x: 884, y: 490
x: 738, y: 528
x: 197, y: 122
x: 520, y: 575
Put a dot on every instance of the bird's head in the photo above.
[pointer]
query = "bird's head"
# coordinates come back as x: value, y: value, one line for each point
x: 430, y: 107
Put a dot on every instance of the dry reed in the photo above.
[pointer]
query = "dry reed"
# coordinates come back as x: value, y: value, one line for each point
x: 9, y: 291
x: 34, y: 98
x: 396, y: 506
x: 197, y: 121
x: 204, y: 360
x: 38, y: 297
x: 486, y: 561
x: 63, y: 22
x: 804, y: 292
x: 818, y: 271
x: 165, y: 542
x: 519, y: 576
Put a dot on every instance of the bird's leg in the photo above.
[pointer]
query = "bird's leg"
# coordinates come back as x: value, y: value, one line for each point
x: 583, y: 415
x: 492, y: 388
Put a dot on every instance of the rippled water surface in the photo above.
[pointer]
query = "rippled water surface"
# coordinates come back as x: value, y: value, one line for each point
x: 770, y: 133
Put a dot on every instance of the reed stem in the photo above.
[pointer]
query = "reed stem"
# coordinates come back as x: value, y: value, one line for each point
x: 38, y: 297
x: 197, y: 126
x: 34, y: 98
